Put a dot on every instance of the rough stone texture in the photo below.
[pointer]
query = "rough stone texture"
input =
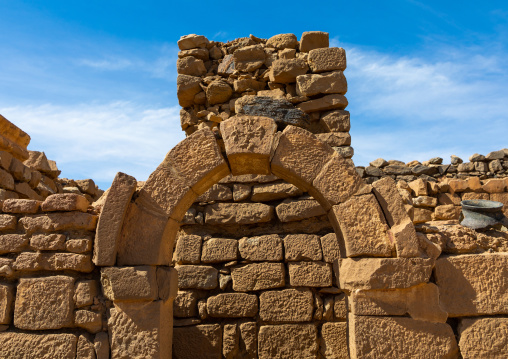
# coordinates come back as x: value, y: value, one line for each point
x: 258, y: 276
x: 261, y: 248
x: 48, y: 242
x: 298, y: 247
x: 230, y: 341
x: 238, y: 213
x: 44, y: 303
x: 232, y: 305
x: 185, y: 304
x: 249, y: 58
x: 101, y: 344
x: 40, y: 346
x: 187, y: 88
x: 483, y: 338
x: 248, y: 141
x: 383, y: 273
x: 198, y: 277
x: 141, y: 330
x: 280, y: 110
x: 310, y: 274
x: 299, y: 157
x: 328, y: 102
x: 218, y: 92
x: 188, y: 249
x: 390, y: 200
x: 473, y: 284
x: 288, y: 305
x: 328, y: 83
x: 6, y: 301
x: 85, y: 348
x: 58, y: 222
x: 406, y: 241
x: 363, y: 227
x: 21, y: 206
x: 12, y: 243
x: 333, y: 341
x: 111, y: 219
x: 327, y: 59
x: 7, y: 222
x: 78, y: 245
x: 297, y: 341
x: 86, y: 319
x: 283, y: 41
x: 291, y: 210
x: 200, y: 341
x: 65, y: 202
x: 287, y: 70
x: 330, y: 247
x: 192, y: 41
x: 217, y: 192
x: 311, y: 40
x: 216, y: 250
x: 248, y: 340
x: 190, y: 65
x: 129, y: 283
x: 85, y: 292
x: 400, y: 338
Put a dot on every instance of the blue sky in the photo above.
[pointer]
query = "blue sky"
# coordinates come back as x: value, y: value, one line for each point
x: 94, y: 82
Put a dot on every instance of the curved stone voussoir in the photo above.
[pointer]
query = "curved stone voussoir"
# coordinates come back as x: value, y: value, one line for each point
x: 248, y: 141
x: 299, y: 157
x: 198, y: 160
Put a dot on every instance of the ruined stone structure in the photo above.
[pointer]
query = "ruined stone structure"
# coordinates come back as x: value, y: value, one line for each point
x: 256, y: 237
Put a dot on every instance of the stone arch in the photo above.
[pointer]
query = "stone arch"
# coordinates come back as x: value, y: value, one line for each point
x: 373, y: 229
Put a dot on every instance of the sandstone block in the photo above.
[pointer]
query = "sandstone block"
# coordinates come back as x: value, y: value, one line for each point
x: 218, y: 92
x: 197, y: 277
x: 185, y: 304
x: 446, y: 212
x: 248, y: 141
x: 12, y: 243
x: 85, y: 292
x: 483, y: 338
x: 448, y: 198
x: 188, y: 249
x: 66, y: 261
x: 29, y: 206
x: 5, y: 195
x: 333, y: 341
x: 336, y: 121
x: 249, y: 58
x: 6, y: 301
x: 405, y: 239
x: 65, y: 202
x: 261, y: 248
x: 230, y: 341
x: 363, y: 227
x: 500, y: 197
x: 327, y: 59
x: 6, y: 180
x: 310, y: 274
x: 5, y: 160
x: 311, y: 40
x: 101, y: 345
x: 340, y: 308
x: 43, y: 346
x: 129, y: 283
x: 88, y: 320
x: 48, y: 242
x: 241, y: 192
x: 291, y: 210
x: 383, y: 273
x: 58, y: 222
x: 297, y: 341
x: 85, y: 348
x: 17, y: 151
x: 287, y: 305
x: 327, y: 83
x: 422, y: 215
x: 238, y: 213
x: 400, y: 338
x: 216, y: 250
x: 44, y: 303
x: 298, y: 247
x: 287, y: 70
x: 248, y: 85
x: 199, y: 341
x: 191, y: 66
x: 192, y: 41
x: 187, y: 87
x: 217, y: 192
x: 335, y: 139
x: 331, y: 248
x: 336, y: 182
x: 473, y: 284
x: 388, y: 196
x: 25, y: 191
x: 283, y: 41
x: 274, y: 191
x: 328, y: 102
x: 7, y: 222
x: 232, y: 305
x: 141, y: 330
x: 299, y: 157
x: 495, y: 185
x: 258, y: 276
x: 82, y: 245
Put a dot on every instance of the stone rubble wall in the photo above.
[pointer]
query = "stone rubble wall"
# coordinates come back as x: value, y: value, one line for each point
x: 29, y: 174
x: 493, y: 165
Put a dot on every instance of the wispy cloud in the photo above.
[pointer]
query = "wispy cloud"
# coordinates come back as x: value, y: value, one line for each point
x: 109, y: 64
x: 96, y: 141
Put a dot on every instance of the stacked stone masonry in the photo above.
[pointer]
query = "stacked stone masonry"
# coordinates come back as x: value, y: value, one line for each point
x: 256, y: 237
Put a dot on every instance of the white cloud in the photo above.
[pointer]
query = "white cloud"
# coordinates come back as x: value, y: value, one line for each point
x: 109, y: 65
x: 96, y: 141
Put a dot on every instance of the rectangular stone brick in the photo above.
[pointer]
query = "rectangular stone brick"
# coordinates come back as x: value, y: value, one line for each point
x: 130, y: 283
x: 274, y: 191
x: 78, y: 245
x: 64, y: 202
x: 328, y: 102
x: 296, y: 341
x: 7, y: 222
x: 44, y: 346
x: 216, y: 250
x: 287, y: 305
x: 6, y: 180
x: 44, y: 303
x: 48, y: 242
x: 261, y: 248
x: 197, y: 277
x: 6, y: 301
x: 238, y: 213
x: 331, y: 248
x: 84, y: 293
x: 473, y: 284
x: 327, y: 59
x: 29, y: 206
x: 310, y: 274
x: 58, y: 222
x: 291, y: 210
x: 258, y: 276
x: 188, y: 249
x: 300, y: 247
x: 199, y: 341
x: 483, y: 338
x: 185, y: 304
x: 12, y: 243
x: 232, y: 305
x: 333, y: 341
